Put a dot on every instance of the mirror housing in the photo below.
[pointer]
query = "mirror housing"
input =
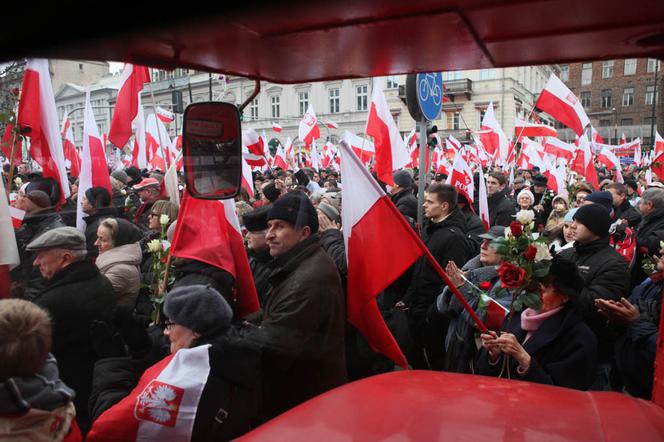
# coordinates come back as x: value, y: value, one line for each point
x: 212, y: 150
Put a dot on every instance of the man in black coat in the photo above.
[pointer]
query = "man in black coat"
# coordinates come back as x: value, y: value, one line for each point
x: 501, y: 208
x: 258, y: 252
x: 623, y: 209
x: 604, y: 271
x: 96, y: 204
x: 402, y: 195
x: 76, y: 294
x: 543, y: 199
x: 444, y: 233
x: 650, y: 232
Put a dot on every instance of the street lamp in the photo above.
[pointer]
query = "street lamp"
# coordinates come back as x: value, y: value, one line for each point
x: 615, y: 123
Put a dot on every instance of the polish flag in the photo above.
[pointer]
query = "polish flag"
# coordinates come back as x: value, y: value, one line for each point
x: 659, y: 144
x: 6, y: 144
x: 94, y: 169
x: 252, y: 142
x: 595, y: 136
x: 288, y: 151
x: 38, y: 117
x: 331, y: 124
x: 556, y: 180
x: 158, y: 143
x: 583, y: 163
x: 369, y: 217
x: 462, y: 177
x: 70, y: 151
x: 443, y: 165
x: 623, y: 139
x: 483, y: 201
x: 132, y: 82
x: 9, y: 257
x: 308, y: 130
x: 280, y: 158
x: 525, y: 129
x: 247, y: 178
x: 530, y: 157
x: 391, y: 153
x: 164, y: 115
x: 492, y: 136
x: 170, y: 184
x: 140, y: 150
x: 495, y: 313
x: 657, y: 167
x: 276, y: 127
x: 17, y: 216
x: 610, y: 160
x: 315, y: 159
x: 559, y: 102
x: 452, y: 147
x: 362, y: 147
x: 209, y: 231
x: 163, y: 404
x: 559, y: 148
x: 638, y: 160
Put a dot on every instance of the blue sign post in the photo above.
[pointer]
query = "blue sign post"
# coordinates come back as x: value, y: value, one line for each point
x: 430, y: 94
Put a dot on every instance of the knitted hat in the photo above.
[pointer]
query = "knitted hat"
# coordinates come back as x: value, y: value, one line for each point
x: 540, y: 180
x: 602, y: 198
x: 404, y: 179
x: 39, y: 198
x: 271, y: 192
x: 200, y: 308
x: 256, y: 220
x: 98, y: 197
x: 528, y: 193
x: 331, y: 212
x: 570, y: 215
x: 121, y: 176
x: 295, y: 208
x: 595, y: 217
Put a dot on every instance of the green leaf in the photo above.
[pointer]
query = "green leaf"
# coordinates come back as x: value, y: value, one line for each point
x: 532, y: 300
x: 517, y: 305
x: 541, y: 269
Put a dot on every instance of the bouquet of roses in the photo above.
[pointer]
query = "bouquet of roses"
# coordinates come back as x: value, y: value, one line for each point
x: 525, y: 262
x: 159, y: 249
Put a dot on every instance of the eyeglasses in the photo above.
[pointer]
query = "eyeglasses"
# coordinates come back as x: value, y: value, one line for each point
x: 153, y: 214
x: 169, y: 324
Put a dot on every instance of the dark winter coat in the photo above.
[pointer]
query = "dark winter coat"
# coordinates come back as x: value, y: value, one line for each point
x: 501, y: 209
x: 332, y: 241
x: 302, y: 328
x: 627, y: 212
x: 606, y: 276
x: 545, y: 200
x: 91, y: 224
x: 261, y: 266
x: 636, y: 349
x: 27, y: 278
x: 648, y: 235
x: 563, y: 352
x: 474, y: 227
x: 446, y: 241
x: 406, y: 202
x: 74, y: 297
x: 192, y: 272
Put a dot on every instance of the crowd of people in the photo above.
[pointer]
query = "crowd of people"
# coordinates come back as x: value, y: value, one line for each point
x: 81, y: 326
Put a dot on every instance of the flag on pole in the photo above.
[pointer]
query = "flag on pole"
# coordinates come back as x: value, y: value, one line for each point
x: 583, y: 164
x: 6, y: 145
x: 369, y: 217
x: 140, y: 151
x: 484, y: 202
x: 559, y: 148
x: 247, y: 177
x: 391, y: 153
x: 362, y: 147
x: 132, y: 81
x: 164, y: 115
x: 308, y: 129
x: 276, y: 127
x: 492, y: 136
x: 462, y: 177
x: 94, y: 170
x: 280, y: 158
x: 559, y: 102
x: 70, y: 151
x: 38, y: 117
x: 525, y: 129
x: 252, y: 142
x: 209, y: 231
x: 331, y: 124
x: 659, y: 144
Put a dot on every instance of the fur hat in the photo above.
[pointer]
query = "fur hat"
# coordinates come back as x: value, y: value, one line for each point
x: 403, y: 179
x: 528, y: 193
x: 98, y: 197
x: 200, y: 308
x: 295, y: 208
x: 256, y: 220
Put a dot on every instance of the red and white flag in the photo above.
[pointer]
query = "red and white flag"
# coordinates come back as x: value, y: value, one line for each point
x: 247, y: 177
x: 493, y: 138
x: 9, y: 257
x: 252, y: 142
x: 164, y: 115
x: 140, y: 150
x: 315, y: 158
x: 276, y: 127
x: 610, y: 160
x: 559, y: 102
x: 17, y: 216
x: 530, y: 156
x: 94, y: 169
x: 362, y: 147
x: 280, y: 158
x: 158, y: 144
x: 369, y: 217
x: 70, y: 151
x: 308, y: 129
x: 595, y: 136
x: 163, y: 404
x: 583, y: 163
x: 331, y: 124
x: 38, y: 116
x: 659, y: 144
x: 526, y: 129
x: 559, y: 148
x: 209, y: 231
x: 462, y: 177
x: 495, y: 313
x: 6, y: 145
x: 623, y: 139
x: 483, y: 201
x: 132, y: 82
x: 391, y: 153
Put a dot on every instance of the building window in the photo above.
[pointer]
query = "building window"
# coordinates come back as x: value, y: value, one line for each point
x: 303, y: 101
x: 275, y: 106
x: 482, y: 112
x: 586, y: 99
x: 605, y: 123
x: 456, y: 118
x: 392, y: 82
x: 652, y: 62
x: 253, y: 109
x: 586, y: 74
x: 628, y: 96
x: 487, y: 74
x: 564, y: 72
x: 80, y: 67
x: 362, y: 97
x: 606, y: 98
x: 650, y: 95
x: 648, y: 121
x: 334, y: 100
x: 626, y: 122
x: 630, y: 66
x: 452, y: 75
x: 607, y: 69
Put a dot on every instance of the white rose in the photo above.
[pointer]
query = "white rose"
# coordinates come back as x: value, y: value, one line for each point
x: 542, y: 252
x: 165, y: 245
x: 525, y: 217
x: 18, y: 181
x: 154, y: 245
x: 164, y: 219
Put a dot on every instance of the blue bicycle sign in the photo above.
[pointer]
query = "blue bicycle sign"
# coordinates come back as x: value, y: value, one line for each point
x: 430, y: 94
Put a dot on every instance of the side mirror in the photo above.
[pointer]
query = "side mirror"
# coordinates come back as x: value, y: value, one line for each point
x: 212, y: 147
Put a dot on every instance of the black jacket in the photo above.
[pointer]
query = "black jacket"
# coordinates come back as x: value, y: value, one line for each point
x: 406, y: 202
x: 91, y: 224
x: 563, y: 352
x: 192, y: 272
x: 446, y: 241
x: 628, y: 212
x: 501, y: 209
x: 474, y: 227
x: 74, y: 297
x: 648, y: 235
x: 606, y: 276
x: 261, y: 266
x: 27, y: 278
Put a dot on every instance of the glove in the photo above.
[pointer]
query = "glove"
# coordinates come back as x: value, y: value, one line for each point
x: 106, y: 342
x: 132, y: 331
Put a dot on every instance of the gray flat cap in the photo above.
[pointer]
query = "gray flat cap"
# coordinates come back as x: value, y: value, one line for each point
x: 61, y: 238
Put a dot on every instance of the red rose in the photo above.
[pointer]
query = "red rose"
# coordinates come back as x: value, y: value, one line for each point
x: 530, y: 253
x: 485, y: 285
x: 516, y: 228
x: 510, y: 275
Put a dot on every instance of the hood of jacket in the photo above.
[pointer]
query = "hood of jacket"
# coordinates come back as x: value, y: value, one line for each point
x: 455, y: 219
x: 128, y: 254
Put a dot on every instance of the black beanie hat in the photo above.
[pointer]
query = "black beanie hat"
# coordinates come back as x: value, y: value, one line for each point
x: 271, y: 192
x: 256, y: 220
x: 402, y: 178
x: 595, y: 217
x: 98, y: 197
x: 295, y: 208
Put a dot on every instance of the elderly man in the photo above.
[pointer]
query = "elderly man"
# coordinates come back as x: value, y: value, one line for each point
x: 650, y: 231
x: 258, y: 251
x: 303, y: 321
x: 149, y: 191
x: 75, y: 295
